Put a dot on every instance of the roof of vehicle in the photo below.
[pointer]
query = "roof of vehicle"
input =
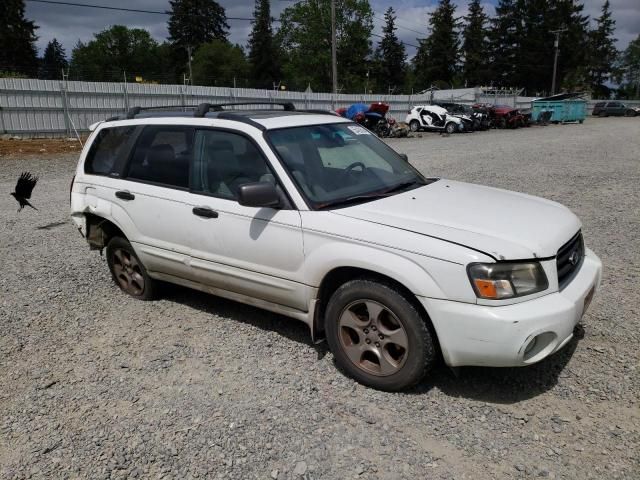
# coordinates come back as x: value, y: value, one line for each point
x: 265, y: 118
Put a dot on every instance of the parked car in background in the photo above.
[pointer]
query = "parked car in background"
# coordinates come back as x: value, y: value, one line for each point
x: 473, y: 120
x: 483, y: 111
x: 614, y: 109
x: 504, y: 116
x: 433, y: 118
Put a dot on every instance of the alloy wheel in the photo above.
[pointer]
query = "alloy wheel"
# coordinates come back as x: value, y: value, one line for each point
x: 128, y: 272
x: 373, y: 338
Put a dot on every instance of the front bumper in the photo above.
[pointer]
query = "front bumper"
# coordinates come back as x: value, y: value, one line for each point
x: 499, y: 336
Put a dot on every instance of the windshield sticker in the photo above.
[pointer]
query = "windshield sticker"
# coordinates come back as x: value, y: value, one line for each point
x: 359, y: 130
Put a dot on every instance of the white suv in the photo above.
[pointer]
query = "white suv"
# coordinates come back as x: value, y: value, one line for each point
x: 311, y: 216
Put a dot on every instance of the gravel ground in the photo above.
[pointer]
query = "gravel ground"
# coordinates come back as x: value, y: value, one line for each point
x: 96, y: 385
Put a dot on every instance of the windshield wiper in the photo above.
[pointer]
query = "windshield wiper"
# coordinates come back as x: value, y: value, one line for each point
x: 343, y: 202
x: 402, y: 186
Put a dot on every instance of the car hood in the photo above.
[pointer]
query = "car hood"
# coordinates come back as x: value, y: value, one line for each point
x: 506, y: 225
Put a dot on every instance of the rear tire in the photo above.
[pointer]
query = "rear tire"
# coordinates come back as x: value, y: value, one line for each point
x: 602, y: 114
x: 128, y: 272
x: 377, y: 336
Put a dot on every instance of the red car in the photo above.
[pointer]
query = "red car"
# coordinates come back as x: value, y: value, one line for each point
x: 504, y: 116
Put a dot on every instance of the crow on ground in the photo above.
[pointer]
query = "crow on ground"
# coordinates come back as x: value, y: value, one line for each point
x: 24, y: 187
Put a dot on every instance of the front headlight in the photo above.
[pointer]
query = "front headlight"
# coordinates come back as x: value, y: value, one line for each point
x: 497, y: 281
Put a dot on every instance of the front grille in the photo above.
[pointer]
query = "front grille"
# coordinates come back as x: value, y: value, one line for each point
x: 569, y: 259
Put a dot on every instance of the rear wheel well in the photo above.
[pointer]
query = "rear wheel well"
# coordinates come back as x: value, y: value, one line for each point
x: 341, y: 275
x: 100, y: 231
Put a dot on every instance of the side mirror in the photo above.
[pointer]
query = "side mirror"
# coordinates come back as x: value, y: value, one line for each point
x: 404, y: 156
x: 258, y: 194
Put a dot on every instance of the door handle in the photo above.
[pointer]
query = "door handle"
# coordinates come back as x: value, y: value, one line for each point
x: 205, y: 212
x: 125, y: 195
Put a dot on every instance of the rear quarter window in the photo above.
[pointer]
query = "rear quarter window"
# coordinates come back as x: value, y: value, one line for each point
x: 107, y: 148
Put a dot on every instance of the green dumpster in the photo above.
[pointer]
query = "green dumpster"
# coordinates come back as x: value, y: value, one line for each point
x: 565, y: 107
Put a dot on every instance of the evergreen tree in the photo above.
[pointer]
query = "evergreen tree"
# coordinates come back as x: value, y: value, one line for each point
x: 17, y: 38
x: 602, y: 51
x: 194, y: 22
x: 54, y: 61
x: 504, y: 42
x: 437, y: 57
x: 475, y: 48
x: 305, y: 39
x: 390, y: 56
x: 263, y: 54
x: 629, y: 71
x: 572, y: 58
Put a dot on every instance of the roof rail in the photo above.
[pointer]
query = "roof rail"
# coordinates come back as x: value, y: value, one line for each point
x: 204, y: 108
x: 133, y: 111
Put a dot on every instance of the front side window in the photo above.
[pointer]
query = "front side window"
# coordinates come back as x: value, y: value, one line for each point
x: 107, y: 148
x: 341, y: 164
x: 162, y: 155
x: 223, y: 161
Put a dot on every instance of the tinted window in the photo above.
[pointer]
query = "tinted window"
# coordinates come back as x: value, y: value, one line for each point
x: 162, y: 155
x: 110, y: 144
x: 223, y: 161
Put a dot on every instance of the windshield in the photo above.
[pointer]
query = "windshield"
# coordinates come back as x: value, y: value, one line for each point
x: 341, y: 164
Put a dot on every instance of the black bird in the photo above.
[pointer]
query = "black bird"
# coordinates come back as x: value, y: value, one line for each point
x: 24, y: 187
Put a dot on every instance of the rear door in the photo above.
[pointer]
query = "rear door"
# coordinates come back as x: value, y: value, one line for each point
x: 153, y: 197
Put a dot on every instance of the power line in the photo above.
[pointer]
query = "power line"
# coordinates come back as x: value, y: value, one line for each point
x: 402, y: 42
x: 399, y: 25
x: 133, y: 10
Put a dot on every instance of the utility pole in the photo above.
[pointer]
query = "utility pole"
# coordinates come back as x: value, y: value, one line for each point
x: 556, y: 44
x: 189, y: 48
x: 334, y: 62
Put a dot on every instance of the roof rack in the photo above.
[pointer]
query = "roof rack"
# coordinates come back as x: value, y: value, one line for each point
x: 133, y: 111
x: 204, y: 108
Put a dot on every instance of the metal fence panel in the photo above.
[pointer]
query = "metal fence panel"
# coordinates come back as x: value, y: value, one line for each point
x: 30, y: 107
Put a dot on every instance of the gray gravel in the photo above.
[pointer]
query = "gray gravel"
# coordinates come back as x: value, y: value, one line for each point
x: 96, y: 385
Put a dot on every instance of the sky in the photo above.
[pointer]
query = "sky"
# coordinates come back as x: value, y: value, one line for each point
x: 70, y: 23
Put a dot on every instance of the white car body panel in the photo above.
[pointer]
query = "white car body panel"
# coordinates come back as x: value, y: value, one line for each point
x: 506, y: 225
x: 423, y: 239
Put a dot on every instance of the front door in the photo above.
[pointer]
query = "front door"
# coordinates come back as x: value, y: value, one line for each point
x: 257, y: 252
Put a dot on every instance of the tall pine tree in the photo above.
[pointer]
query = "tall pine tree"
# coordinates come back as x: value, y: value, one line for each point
x: 263, y: 53
x: 437, y: 57
x: 193, y: 23
x: 475, y: 48
x: 603, y: 53
x: 54, y: 61
x: 505, y: 42
x: 18, y: 53
x: 390, y: 56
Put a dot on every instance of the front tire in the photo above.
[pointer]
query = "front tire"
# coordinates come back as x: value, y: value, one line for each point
x: 377, y: 336
x: 414, y: 125
x: 450, y: 128
x: 127, y: 270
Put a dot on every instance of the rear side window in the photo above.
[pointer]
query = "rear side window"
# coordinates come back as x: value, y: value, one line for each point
x: 108, y: 147
x: 162, y: 155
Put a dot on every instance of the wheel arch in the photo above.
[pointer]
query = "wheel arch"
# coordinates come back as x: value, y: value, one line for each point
x: 101, y: 230
x: 338, y: 276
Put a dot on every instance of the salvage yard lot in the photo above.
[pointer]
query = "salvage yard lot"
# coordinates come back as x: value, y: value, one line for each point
x: 94, y: 384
